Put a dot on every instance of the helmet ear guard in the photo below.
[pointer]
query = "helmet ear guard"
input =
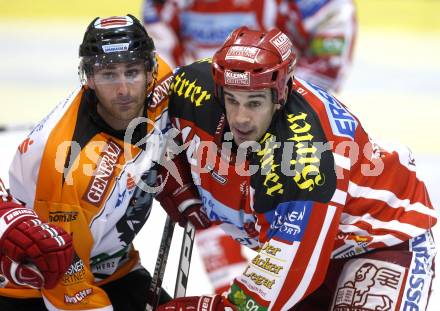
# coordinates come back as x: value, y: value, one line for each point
x: 254, y: 60
x: 115, y: 39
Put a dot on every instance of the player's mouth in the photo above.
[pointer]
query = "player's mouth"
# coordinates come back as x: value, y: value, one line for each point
x: 241, y: 135
x: 125, y: 105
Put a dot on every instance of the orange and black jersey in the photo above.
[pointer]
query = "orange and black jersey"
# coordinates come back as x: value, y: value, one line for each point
x: 80, y: 174
x: 315, y: 187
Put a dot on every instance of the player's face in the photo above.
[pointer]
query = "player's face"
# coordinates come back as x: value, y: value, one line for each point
x: 249, y: 113
x: 121, y: 90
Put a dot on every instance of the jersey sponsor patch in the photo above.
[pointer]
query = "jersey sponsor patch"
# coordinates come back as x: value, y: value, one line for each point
x: 243, y: 53
x: 103, y: 174
x: 342, y: 122
x: 76, y: 272
x: 160, y: 92
x: 189, y: 88
x: 289, y: 220
x: 368, y: 284
x: 244, y: 302
x: 353, y: 245
x: 419, y: 278
x: 237, y: 78
x: 283, y: 45
x: 78, y: 297
x: 63, y: 216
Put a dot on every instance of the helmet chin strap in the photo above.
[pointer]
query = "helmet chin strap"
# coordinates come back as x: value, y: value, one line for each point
x: 287, y: 90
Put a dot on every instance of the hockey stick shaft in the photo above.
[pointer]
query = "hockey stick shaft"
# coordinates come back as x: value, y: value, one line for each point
x: 159, y: 269
x: 185, y: 260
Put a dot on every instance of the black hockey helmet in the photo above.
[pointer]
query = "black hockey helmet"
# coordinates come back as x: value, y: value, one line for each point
x: 115, y: 39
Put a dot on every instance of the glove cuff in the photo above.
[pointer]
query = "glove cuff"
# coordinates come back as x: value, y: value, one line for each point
x: 183, y: 206
x: 10, y: 213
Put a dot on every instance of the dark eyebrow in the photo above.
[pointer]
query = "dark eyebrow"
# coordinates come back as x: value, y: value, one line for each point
x: 107, y: 67
x: 129, y: 65
x: 258, y: 95
x: 113, y: 66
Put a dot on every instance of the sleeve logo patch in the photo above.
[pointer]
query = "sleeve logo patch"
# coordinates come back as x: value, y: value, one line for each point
x: 290, y: 220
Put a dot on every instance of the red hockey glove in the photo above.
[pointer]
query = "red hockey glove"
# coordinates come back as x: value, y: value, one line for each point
x: 181, y: 202
x: 21, y: 273
x: 196, y: 303
x: 32, y: 253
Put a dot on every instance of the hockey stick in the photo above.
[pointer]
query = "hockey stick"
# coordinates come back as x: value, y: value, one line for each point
x: 159, y: 270
x: 185, y: 260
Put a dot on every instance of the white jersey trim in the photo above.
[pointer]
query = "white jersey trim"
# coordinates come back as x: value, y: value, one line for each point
x: 389, y: 198
x: 311, y: 266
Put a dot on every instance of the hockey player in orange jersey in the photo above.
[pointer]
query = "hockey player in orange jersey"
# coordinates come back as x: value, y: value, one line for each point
x: 338, y: 220
x: 88, y: 168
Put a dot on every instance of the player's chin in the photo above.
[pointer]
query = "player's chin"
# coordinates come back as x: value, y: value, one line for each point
x: 128, y: 113
x: 244, y: 141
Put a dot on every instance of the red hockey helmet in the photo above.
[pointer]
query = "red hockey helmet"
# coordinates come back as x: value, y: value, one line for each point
x: 252, y: 60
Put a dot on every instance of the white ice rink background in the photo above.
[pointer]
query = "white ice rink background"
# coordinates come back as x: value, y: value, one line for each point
x: 393, y: 92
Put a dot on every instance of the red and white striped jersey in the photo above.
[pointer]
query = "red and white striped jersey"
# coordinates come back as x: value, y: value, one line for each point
x: 323, y: 31
x: 316, y: 188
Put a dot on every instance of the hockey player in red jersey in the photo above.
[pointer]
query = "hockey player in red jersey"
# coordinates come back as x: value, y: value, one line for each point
x: 338, y: 220
x: 323, y: 33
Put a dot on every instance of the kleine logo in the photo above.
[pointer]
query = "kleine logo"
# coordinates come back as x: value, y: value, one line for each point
x: 237, y: 78
x: 24, y: 146
x: 283, y: 44
x: 243, y: 53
